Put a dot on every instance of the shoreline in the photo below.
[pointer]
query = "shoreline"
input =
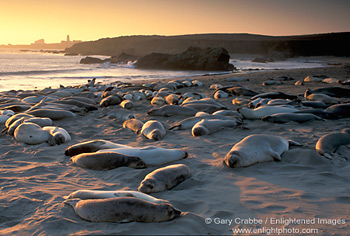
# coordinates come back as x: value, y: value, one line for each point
x: 303, y: 185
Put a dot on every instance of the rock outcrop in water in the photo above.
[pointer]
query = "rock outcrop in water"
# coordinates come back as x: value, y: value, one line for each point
x: 92, y: 60
x: 194, y: 58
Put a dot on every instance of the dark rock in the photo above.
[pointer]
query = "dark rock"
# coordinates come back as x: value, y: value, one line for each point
x: 123, y: 58
x: 194, y: 58
x: 92, y: 60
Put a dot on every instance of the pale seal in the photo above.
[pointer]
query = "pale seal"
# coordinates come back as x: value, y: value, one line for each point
x: 30, y: 133
x: 209, y: 126
x: 256, y: 148
x: 59, y: 134
x: 158, y: 101
x: 101, y: 194
x: 164, y: 178
x: 133, y: 124
x: 153, y: 129
x: 152, y: 156
x: 91, y: 146
x: 172, y: 99
x: 329, y: 143
x: 107, y: 161
x: 287, y: 117
x: 127, y: 104
x: 260, y: 112
x: 122, y: 209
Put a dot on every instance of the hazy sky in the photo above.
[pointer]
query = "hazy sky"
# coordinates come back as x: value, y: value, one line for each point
x: 24, y: 21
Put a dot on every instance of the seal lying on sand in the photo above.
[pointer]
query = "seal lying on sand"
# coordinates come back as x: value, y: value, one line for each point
x: 153, y: 129
x: 260, y: 112
x: 53, y: 114
x: 188, y: 123
x: 100, y: 194
x: 164, y: 178
x: 287, y: 117
x: 30, y: 133
x: 172, y: 110
x: 59, y: 134
x: 256, y: 148
x: 329, y: 143
x: 107, y: 161
x: 152, y: 156
x: 209, y: 126
x: 133, y: 124
x: 122, y: 209
x: 91, y: 146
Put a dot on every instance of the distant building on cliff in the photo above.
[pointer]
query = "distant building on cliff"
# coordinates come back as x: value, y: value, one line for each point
x: 40, y: 44
x: 40, y: 41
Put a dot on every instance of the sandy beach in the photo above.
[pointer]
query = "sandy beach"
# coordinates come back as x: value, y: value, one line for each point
x: 303, y: 194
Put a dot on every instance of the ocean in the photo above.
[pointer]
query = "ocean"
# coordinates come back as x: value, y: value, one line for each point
x: 36, y: 70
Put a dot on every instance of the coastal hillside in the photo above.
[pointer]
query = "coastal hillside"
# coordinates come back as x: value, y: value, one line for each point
x: 331, y: 44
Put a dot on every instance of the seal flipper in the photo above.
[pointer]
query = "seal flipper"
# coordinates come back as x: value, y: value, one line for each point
x: 275, y: 156
x: 293, y: 143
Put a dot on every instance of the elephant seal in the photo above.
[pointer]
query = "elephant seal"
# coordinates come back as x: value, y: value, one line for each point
x: 59, y: 134
x: 337, y: 92
x: 152, y: 156
x: 329, y: 143
x: 54, y: 114
x: 220, y: 94
x: 321, y: 98
x: 41, y: 121
x: 260, y: 112
x: 338, y: 111
x: 30, y: 133
x: 205, y: 107
x: 127, y: 104
x: 189, y: 122
x: 100, y: 194
x: 107, y: 161
x: 172, y: 99
x: 13, y: 118
x: 122, y: 209
x: 314, y: 104
x: 164, y: 178
x: 91, y: 146
x: 209, y: 126
x: 287, y: 117
x: 110, y: 101
x: 121, y: 114
x: 256, y: 148
x: 238, y: 91
x: 274, y: 95
x: 172, y: 110
x: 36, y: 120
x: 153, y: 129
x: 158, y: 101
x: 133, y: 124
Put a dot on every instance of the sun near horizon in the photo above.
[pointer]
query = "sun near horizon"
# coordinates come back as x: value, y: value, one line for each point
x: 23, y: 22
